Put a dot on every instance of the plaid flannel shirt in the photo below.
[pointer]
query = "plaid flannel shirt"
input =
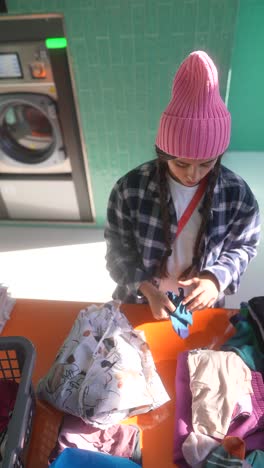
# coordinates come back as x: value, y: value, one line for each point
x: 135, y: 240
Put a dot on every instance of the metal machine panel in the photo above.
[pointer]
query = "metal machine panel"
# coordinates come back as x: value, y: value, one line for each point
x: 42, y: 200
x: 40, y: 131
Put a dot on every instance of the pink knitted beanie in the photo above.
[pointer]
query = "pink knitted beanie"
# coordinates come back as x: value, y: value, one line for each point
x: 196, y: 123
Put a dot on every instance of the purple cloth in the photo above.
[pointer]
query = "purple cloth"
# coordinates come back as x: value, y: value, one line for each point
x: 117, y: 440
x: 255, y: 421
x: 8, y: 394
x: 183, y: 416
x: 250, y: 429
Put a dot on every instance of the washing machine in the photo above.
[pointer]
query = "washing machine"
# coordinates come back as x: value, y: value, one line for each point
x: 31, y: 140
x: 36, y: 180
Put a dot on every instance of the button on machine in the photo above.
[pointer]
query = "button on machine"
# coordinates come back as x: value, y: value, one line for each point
x: 38, y: 70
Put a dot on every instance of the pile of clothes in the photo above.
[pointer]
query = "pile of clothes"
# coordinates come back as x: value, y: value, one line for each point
x: 220, y: 398
x: 121, y: 441
x: 103, y: 373
x: 8, y: 394
x: 6, y: 306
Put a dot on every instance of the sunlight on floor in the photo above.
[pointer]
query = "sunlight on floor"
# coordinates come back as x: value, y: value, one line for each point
x: 70, y: 273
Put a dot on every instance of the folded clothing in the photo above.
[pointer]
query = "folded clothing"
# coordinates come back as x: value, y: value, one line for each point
x: 121, y: 440
x: 6, y: 306
x: 245, y: 342
x: 8, y: 394
x: 217, y: 380
x: 183, y: 405
x: 256, y: 312
x: 78, y: 458
x: 256, y: 459
x: 254, y: 438
x: 230, y: 453
x: 243, y: 407
x: 255, y: 421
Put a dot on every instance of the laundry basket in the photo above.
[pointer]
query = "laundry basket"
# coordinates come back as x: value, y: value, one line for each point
x: 17, y: 358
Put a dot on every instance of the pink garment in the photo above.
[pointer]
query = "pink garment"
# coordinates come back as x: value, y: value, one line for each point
x: 255, y: 421
x: 243, y: 407
x: 118, y: 439
x: 196, y: 122
x: 183, y: 416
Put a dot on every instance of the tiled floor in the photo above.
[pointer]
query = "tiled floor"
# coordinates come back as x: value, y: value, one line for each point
x: 68, y: 264
x: 61, y: 264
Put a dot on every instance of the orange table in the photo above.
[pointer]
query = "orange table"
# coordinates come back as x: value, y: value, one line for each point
x: 47, y: 324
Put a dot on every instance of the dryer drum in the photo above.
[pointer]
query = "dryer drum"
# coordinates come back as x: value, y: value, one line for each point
x: 26, y: 133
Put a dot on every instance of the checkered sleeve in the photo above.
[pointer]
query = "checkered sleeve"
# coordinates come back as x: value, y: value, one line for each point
x: 240, y: 246
x: 123, y: 260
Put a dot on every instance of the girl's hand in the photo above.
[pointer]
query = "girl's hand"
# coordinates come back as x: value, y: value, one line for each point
x: 204, y: 294
x: 158, y: 301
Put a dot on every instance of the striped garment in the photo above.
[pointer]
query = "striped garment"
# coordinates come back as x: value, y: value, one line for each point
x: 135, y: 240
x: 222, y: 459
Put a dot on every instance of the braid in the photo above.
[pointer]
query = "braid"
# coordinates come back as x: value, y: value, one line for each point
x: 163, y: 191
x: 205, y: 212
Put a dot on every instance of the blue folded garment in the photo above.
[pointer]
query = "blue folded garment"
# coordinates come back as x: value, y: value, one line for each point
x: 181, y: 317
x: 78, y: 458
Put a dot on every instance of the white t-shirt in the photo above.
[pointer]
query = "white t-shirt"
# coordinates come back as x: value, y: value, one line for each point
x: 182, y: 247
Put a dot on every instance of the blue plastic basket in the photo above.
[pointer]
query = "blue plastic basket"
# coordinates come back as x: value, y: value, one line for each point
x: 17, y: 359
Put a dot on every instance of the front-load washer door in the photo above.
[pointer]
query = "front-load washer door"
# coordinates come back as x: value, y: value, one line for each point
x: 30, y: 134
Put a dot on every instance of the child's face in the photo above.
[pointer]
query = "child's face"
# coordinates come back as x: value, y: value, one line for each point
x: 190, y: 172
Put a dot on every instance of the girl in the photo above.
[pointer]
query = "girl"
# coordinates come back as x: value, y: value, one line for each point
x: 183, y: 219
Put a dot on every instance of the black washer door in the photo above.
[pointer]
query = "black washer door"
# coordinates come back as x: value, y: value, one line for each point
x: 26, y: 133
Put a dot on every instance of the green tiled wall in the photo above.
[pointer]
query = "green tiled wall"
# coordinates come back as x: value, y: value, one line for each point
x: 125, y: 54
x: 247, y: 90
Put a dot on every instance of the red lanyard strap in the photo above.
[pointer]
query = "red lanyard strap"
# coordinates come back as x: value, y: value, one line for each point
x: 192, y: 205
